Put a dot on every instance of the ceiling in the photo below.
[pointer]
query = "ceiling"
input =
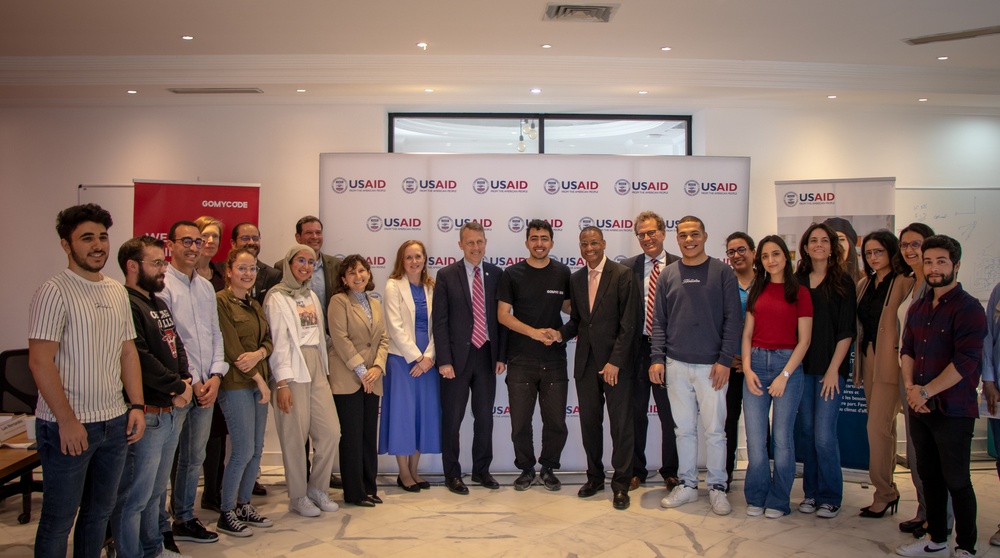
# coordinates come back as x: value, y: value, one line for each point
x: 488, y: 55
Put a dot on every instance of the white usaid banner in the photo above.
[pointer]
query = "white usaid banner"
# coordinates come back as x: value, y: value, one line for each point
x: 865, y: 205
x: 372, y: 203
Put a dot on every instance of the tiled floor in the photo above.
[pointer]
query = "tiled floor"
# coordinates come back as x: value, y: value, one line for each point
x: 537, y: 523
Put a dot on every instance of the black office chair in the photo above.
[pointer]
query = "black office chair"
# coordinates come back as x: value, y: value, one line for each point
x: 18, y: 393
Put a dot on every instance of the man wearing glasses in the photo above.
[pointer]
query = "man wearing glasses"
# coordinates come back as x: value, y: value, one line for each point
x: 650, y: 230
x: 191, y: 300
x: 247, y: 235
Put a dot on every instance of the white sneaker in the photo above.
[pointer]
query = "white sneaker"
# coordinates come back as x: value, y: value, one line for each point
x: 772, y: 513
x: 755, y: 511
x: 171, y: 554
x: 828, y: 511
x: 808, y: 505
x: 923, y: 547
x: 304, y: 507
x: 680, y: 495
x: 322, y: 500
x: 720, y: 503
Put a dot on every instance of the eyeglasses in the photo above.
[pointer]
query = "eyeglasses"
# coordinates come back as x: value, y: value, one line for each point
x: 187, y: 241
x: 303, y: 261
x: 248, y: 238
x: 733, y: 251
x: 247, y: 268
x: 916, y: 244
x: 159, y: 264
x: 646, y: 234
x: 876, y: 253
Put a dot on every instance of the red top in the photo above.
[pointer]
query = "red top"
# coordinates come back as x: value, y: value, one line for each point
x: 775, y: 321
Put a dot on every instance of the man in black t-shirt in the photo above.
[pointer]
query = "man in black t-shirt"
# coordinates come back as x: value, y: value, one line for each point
x: 531, y: 295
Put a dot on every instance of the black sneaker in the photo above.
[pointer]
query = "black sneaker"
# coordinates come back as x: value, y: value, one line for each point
x: 524, y: 481
x: 549, y: 479
x: 247, y: 514
x: 193, y: 531
x: 168, y: 542
x: 231, y: 525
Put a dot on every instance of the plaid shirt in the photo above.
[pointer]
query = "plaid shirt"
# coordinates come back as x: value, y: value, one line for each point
x: 952, y: 333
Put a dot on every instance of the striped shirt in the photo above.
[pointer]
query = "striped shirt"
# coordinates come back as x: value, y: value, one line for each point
x: 90, y: 320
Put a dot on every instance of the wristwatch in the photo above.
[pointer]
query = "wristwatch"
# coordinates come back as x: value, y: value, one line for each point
x: 924, y: 394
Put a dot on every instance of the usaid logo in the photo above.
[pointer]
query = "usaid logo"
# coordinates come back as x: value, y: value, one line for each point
x: 376, y: 261
x: 554, y: 185
x: 440, y: 261
x: 620, y: 258
x: 623, y: 187
x: 791, y: 200
x: 607, y: 225
x: 483, y: 185
x: 409, y: 185
x: 339, y: 185
x: 551, y: 186
x: 374, y: 223
x: 445, y: 224
x: 516, y: 224
x: 692, y: 187
x: 586, y: 222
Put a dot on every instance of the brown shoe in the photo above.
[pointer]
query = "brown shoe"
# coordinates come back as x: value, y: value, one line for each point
x: 671, y: 483
x: 634, y: 483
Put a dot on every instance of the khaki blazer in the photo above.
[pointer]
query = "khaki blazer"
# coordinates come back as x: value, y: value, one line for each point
x: 355, y: 341
x: 887, y: 343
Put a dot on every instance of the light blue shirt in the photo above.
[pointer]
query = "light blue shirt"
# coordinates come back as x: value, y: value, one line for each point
x: 470, y: 275
x: 318, y: 281
x: 991, y: 345
x: 196, y: 317
x: 647, y: 269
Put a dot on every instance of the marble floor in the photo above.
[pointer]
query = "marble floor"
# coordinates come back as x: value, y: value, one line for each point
x: 537, y: 523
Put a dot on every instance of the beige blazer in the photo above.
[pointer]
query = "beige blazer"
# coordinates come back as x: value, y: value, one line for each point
x: 355, y: 341
x: 887, y: 343
x: 400, y: 320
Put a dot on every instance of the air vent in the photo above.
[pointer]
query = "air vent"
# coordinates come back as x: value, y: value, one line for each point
x: 214, y: 90
x: 956, y: 36
x: 581, y: 13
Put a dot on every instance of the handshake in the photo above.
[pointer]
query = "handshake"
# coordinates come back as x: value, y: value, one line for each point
x: 547, y: 336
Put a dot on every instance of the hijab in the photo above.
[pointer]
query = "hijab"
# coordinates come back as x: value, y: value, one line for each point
x: 289, y: 285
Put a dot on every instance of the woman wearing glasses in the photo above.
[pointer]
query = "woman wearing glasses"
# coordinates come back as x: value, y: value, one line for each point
x: 357, y: 364
x: 876, y: 365
x: 740, y: 251
x: 826, y: 367
x: 244, y: 393
x: 301, y: 393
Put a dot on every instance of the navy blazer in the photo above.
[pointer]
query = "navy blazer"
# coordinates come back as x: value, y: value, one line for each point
x: 606, y: 332
x: 452, y: 316
x: 638, y: 266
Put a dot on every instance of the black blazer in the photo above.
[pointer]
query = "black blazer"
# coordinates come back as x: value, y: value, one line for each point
x: 605, y: 333
x: 452, y: 315
x: 638, y: 266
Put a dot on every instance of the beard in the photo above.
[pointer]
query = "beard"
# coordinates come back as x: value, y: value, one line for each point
x: 150, y: 283
x: 81, y: 261
x: 941, y: 282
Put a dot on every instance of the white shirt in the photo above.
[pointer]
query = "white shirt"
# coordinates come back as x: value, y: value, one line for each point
x: 196, y: 317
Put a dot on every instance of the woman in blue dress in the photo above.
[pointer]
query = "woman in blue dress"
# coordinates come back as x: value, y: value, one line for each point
x: 411, y: 404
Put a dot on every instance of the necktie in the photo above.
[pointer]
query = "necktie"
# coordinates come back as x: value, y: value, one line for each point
x: 592, y: 287
x: 651, y: 296
x: 478, y: 311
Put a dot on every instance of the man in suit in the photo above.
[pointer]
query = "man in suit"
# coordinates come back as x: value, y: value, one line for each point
x: 309, y: 231
x: 651, y: 230
x: 247, y: 235
x: 603, y: 316
x: 471, y: 346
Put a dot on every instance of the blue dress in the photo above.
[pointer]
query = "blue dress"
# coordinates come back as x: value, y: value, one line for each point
x: 411, y: 407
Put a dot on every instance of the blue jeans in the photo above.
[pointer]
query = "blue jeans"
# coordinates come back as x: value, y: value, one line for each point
x: 696, y: 405
x: 135, y: 521
x: 246, y: 418
x: 761, y: 488
x: 823, y: 479
x: 87, y: 482
x: 195, y: 424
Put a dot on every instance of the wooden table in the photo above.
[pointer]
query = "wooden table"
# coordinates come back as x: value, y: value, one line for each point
x: 19, y: 464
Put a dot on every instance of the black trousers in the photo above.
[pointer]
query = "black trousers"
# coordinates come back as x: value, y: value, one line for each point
x: 640, y: 401
x: 592, y: 391
x: 358, y: 414
x: 734, y: 407
x: 215, y: 457
x: 476, y: 376
x: 528, y: 380
x: 943, y: 446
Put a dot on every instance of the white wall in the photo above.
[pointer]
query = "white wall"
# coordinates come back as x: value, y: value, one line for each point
x: 46, y: 152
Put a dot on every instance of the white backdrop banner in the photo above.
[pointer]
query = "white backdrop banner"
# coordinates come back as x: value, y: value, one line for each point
x: 372, y: 203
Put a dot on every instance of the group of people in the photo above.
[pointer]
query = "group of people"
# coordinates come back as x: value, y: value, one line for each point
x: 209, y: 345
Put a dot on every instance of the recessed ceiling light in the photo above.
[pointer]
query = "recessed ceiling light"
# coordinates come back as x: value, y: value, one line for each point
x: 942, y: 57
x: 643, y: 92
x: 188, y: 38
x: 428, y: 90
x: 132, y: 92
x: 831, y: 96
x: 546, y: 46
x: 300, y: 90
x: 422, y: 46
x: 665, y: 49
x: 536, y: 90
x: 922, y: 100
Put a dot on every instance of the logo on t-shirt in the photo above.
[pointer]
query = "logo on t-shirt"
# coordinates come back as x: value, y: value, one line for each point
x: 307, y: 314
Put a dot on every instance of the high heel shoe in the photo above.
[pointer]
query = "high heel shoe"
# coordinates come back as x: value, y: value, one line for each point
x: 891, y: 507
x: 410, y: 488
